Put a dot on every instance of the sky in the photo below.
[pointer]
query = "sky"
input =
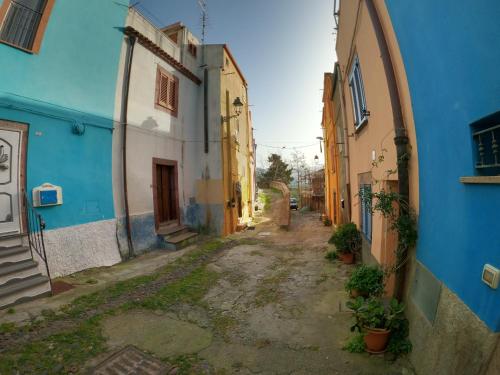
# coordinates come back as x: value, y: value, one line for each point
x: 283, y: 48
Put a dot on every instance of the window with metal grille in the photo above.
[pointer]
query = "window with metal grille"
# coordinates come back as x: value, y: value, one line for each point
x: 366, y: 210
x: 21, y: 22
x: 358, y: 95
x: 486, y: 136
x: 167, y: 92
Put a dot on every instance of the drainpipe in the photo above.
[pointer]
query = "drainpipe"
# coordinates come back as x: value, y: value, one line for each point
x: 229, y: 163
x: 400, y: 139
x: 346, y: 143
x: 124, y: 115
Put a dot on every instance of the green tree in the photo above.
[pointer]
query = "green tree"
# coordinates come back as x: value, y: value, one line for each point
x: 278, y: 170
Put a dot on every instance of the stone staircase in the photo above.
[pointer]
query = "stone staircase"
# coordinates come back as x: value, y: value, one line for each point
x: 20, y: 276
x: 177, y: 236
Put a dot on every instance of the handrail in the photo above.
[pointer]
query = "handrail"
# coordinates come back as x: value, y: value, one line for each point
x: 35, y: 228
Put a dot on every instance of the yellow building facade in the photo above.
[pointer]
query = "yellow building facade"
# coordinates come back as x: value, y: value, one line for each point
x: 237, y: 147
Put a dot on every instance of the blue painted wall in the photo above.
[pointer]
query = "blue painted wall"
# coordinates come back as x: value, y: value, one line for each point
x: 72, y: 80
x: 451, y: 55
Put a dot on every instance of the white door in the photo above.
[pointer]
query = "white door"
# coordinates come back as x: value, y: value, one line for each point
x: 10, y: 154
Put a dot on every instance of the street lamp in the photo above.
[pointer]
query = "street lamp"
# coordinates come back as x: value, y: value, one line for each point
x: 320, y: 139
x: 238, y: 108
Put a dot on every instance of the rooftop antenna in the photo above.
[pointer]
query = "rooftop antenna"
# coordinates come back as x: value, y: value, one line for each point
x: 204, y: 19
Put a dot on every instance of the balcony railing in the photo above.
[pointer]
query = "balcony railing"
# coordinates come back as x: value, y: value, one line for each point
x: 488, y: 150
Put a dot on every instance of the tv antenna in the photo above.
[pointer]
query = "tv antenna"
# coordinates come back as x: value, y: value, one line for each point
x: 204, y: 19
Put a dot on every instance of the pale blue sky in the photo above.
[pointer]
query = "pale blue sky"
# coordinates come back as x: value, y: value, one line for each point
x: 283, y: 48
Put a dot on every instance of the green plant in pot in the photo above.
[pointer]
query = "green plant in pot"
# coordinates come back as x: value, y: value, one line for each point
x: 375, y: 319
x: 347, y: 241
x: 366, y: 281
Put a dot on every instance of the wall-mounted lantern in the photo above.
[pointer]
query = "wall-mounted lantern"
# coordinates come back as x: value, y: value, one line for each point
x: 238, y: 109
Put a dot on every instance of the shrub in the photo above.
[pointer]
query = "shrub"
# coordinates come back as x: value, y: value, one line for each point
x: 346, y: 238
x: 373, y: 313
x: 367, y: 280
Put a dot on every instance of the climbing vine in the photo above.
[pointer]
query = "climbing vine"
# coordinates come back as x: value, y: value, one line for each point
x: 396, y: 209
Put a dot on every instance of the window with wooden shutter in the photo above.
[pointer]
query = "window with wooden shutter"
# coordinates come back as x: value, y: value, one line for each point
x: 22, y: 22
x: 167, y: 92
x: 358, y: 95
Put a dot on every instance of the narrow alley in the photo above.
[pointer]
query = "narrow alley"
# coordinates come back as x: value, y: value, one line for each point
x: 264, y: 301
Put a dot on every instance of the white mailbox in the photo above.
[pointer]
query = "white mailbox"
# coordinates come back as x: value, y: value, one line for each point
x: 47, y: 195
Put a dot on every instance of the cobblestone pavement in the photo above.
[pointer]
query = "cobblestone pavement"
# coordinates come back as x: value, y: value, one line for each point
x: 278, y: 307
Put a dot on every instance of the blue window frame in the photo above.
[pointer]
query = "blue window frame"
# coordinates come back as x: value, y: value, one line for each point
x: 357, y: 94
x: 366, y: 210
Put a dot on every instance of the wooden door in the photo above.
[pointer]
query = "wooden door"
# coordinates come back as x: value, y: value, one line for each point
x: 12, y: 151
x: 165, y: 192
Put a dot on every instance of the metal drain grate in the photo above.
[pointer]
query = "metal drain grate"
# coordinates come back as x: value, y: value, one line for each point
x: 131, y: 361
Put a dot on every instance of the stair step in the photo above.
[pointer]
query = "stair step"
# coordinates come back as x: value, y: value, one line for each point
x: 17, y: 270
x: 181, y: 237
x: 12, y: 240
x: 19, y: 290
x: 172, y: 230
x: 14, y: 254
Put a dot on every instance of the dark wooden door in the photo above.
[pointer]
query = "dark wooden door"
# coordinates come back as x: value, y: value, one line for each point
x: 166, y: 194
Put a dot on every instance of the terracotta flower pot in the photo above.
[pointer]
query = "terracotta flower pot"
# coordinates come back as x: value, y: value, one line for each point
x: 356, y: 293
x: 376, y: 340
x: 347, y: 258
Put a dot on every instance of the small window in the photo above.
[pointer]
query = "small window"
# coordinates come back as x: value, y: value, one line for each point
x: 192, y: 49
x: 358, y: 95
x: 23, y: 22
x: 486, y: 137
x: 167, y: 92
x: 366, y: 210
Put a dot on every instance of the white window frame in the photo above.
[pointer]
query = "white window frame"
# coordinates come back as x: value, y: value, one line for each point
x: 357, y: 94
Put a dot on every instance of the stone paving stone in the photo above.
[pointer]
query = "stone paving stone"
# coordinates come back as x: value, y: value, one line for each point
x: 131, y: 361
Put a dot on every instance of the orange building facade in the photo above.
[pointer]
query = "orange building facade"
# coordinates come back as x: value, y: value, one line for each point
x: 363, y: 115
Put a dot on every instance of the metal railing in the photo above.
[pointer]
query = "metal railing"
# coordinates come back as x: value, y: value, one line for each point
x: 488, y: 149
x: 35, y: 228
x: 21, y: 24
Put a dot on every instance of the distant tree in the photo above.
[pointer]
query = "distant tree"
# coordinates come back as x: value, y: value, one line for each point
x: 278, y: 170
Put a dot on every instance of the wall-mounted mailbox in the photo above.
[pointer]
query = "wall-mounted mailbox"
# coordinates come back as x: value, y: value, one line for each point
x: 47, y: 195
x: 491, y: 276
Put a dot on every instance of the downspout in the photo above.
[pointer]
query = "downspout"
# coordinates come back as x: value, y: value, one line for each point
x: 400, y: 139
x: 346, y: 142
x: 229, y: 164
x: 124, y: 115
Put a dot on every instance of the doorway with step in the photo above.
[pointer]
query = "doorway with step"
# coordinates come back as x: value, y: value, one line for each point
x: 13, y: 142
x: 165, y: 193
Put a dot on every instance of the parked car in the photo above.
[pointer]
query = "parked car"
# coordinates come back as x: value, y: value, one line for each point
x: 293, y: 204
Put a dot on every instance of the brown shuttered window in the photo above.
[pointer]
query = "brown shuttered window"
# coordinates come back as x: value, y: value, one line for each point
x: 167, y: 92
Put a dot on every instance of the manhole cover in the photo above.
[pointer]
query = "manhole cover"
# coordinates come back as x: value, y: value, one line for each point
x: 131, y: 361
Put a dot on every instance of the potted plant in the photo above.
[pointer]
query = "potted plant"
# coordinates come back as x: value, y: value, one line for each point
x: 327, y: 222
x: 347, y: 241
x: 366, y: 281
x: 375, y: 319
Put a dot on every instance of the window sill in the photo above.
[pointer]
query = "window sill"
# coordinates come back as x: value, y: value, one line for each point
x: 360, y: 127
x: 480, y: 180
x: 29, y: 51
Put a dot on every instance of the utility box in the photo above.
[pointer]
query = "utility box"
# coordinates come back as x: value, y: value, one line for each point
x: 491, y: 276
x: 47, y: 195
